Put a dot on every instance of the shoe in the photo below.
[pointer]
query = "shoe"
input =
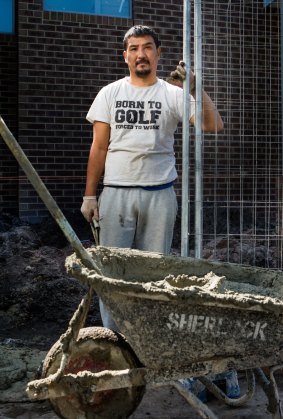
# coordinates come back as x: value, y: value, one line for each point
x: 195, y: 387
x: 232, y: 388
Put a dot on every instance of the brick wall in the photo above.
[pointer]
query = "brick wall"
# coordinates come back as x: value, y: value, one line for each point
x: 64, y: 59
x: 8, y: 111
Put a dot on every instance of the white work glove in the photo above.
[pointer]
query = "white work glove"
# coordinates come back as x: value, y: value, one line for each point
x: 178, y: 76
x: 89, y: 208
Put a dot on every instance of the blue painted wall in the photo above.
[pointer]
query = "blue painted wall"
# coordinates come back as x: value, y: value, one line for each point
x: 116, y: 8
x: 6, y: 16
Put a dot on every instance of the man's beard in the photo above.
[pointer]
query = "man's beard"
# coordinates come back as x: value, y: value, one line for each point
x: 144, y: 72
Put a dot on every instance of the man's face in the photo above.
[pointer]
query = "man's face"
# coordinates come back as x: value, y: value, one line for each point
x: 142, y: 56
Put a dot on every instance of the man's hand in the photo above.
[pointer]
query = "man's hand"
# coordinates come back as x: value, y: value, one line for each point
x: 89, y: 208
x: 178, y: 76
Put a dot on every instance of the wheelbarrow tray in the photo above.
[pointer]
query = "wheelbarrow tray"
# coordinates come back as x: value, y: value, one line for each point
x: 176, y: 311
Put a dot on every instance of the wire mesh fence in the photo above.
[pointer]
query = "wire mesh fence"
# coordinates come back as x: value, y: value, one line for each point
x: 242, y: 167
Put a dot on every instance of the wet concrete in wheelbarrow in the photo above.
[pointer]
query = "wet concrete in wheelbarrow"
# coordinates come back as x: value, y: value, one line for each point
x: 161, y: 403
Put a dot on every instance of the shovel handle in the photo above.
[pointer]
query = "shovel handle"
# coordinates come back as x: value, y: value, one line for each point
x: 94, y: 225
x: 44, y: 194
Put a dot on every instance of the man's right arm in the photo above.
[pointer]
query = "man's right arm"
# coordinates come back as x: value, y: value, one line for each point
x: 95, y: 169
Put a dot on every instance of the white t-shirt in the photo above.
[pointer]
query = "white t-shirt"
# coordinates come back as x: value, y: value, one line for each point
x: 143, y: 121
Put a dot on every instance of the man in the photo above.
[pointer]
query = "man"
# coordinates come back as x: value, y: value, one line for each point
x: 134, y: 120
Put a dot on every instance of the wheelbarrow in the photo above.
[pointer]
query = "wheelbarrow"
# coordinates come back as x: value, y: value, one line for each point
x: 178, y: 318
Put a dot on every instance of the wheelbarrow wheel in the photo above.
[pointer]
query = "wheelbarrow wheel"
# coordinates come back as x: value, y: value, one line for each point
x: 97, y: 349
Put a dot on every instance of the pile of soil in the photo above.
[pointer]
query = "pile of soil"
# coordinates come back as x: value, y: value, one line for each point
x: 37, y: 297
x: 245, y: 242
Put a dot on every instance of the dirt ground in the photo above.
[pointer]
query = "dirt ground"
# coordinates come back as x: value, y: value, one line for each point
x: 161, y: 403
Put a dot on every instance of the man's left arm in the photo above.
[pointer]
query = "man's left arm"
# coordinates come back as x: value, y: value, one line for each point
x: 211, y: 121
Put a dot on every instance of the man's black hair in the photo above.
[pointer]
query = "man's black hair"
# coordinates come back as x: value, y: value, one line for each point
x: 140, y: 30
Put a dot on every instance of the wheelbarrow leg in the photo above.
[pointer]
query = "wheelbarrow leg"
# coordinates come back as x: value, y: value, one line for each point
x: 215, y: 390
x: 202, y: 409
x: 68, y: 339
x: 270, y: 388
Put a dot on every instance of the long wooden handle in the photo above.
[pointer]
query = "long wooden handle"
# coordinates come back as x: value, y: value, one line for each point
x: 44, y: 194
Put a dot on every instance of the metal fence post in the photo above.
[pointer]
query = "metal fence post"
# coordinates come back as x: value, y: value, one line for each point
x: 198, y: 131
x: 186, y: 131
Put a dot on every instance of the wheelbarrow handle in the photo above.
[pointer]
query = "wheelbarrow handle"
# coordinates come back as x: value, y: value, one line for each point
x: 46, y: 197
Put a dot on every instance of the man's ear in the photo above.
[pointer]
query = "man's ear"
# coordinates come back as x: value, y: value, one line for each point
x: 159, y: 52
x: 125, y: 56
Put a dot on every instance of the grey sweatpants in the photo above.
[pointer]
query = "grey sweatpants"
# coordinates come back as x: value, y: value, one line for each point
x: 136, y: 218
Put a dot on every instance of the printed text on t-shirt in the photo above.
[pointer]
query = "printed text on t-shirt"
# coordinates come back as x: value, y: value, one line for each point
x: 137, y: 114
